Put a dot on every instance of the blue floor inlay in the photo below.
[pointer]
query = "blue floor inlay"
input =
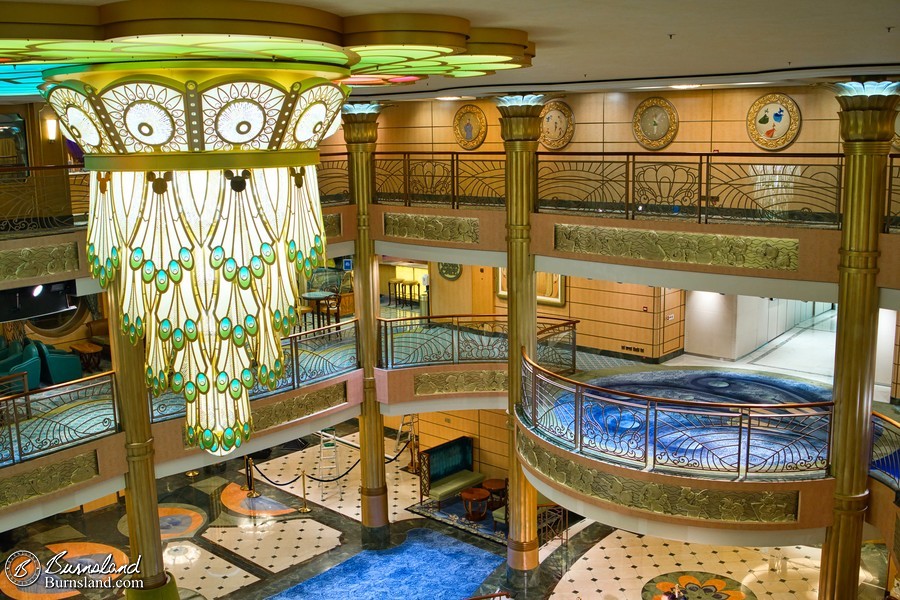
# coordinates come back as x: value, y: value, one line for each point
x: 427, y: 565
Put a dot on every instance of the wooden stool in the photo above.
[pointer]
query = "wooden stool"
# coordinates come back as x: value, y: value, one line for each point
x: 406, y: 292
x: 394, y: 291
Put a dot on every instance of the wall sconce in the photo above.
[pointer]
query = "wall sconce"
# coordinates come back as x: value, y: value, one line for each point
x: 49, y: 123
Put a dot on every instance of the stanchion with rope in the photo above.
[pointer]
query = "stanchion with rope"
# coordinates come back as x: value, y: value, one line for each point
x: 246, y: 485
x: 305, y: 508
x: 251, y: 492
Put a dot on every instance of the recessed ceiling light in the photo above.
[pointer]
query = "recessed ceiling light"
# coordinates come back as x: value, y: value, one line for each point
x: 685, y: 86
x: 454, y: 98
x: 754, y: 83
x: 37, y: 290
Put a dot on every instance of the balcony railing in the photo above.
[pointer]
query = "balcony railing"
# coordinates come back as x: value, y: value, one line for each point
x: 38, y: 422
x: 885, y: 461
x: 784, y: 188
x: 460, y: 339
x: 309, y: 357
x: 725, y: 440
x: 37, y: 199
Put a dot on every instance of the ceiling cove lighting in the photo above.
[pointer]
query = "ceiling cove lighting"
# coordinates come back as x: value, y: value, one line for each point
x: 204, y: 211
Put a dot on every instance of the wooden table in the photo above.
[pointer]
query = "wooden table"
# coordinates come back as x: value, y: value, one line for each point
x: 475, y: 501
x: 497, y: 490
x: 318, y: 297
x: 89, y: 354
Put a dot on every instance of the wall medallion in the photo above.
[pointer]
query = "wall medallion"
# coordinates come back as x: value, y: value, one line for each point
x: 773, y: 121
x: 470, y: 126
x: 557, y: 125
x: 655, y: 123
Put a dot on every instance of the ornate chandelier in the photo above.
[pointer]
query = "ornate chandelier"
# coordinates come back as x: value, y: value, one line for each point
x: 204, y: 212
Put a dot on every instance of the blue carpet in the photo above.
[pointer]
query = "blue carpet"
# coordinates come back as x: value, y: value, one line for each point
x: 427, y: 565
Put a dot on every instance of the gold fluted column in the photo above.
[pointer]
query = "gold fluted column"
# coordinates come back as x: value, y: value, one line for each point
x: 520, y: 127
x: 867, y: 125
x: 140, y: 480
x: 360, y: 134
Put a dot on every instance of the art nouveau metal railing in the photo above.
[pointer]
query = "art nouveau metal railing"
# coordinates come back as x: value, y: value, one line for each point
x: 33, y: 199
x: 38, y: 422
x: 885, y: 461
x: 309, y: 357
x: 735, y: 441
x: 459, y: 339
x: 783, y: 188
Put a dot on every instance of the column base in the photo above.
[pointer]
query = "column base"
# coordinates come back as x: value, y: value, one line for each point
x: 374, y: 507
x: 375, y: 538
x: 520, y: 581
x: 168, y: 591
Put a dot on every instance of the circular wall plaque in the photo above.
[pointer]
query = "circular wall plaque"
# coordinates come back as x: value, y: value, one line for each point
x: 470, y: 126
x: 557, y: 125
x: 450, y: 271
x: 773, y: 121
x: 655, y: 123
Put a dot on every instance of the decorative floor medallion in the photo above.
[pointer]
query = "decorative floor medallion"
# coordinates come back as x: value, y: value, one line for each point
x: 696, y: 585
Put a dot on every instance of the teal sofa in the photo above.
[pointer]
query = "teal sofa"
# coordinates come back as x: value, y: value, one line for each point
x: 446, y: 469
x: 26, y: 361
x: 58, y: 366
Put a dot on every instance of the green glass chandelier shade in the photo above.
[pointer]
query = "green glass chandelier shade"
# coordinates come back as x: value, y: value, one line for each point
x: 204, y: 210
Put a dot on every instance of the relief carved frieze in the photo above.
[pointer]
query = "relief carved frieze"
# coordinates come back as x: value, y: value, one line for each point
x: 48, y: 478
x: 463, y: 230
x: 333, y: 225
x: 299, y: 406
x: 741, y: 251
x: 431, y: 384
x: 40, y: 261
x: 661, y: 498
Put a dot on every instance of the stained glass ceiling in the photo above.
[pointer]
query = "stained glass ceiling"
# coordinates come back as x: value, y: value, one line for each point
x: 384, y: 49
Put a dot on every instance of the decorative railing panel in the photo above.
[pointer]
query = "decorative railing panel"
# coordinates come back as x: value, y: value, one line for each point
x: 309, y: 357
x: 34, y: 199
x: 458, y: 339
x: 885, y: 462
x: 784, y: 188
x: 334, y: 180
x: 42, y: 421
x: 893, y: 204
x: 710, y: 439
x: 775, y: 193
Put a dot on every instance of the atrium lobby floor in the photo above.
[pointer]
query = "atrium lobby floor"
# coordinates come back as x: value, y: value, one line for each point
x: 219, y: 544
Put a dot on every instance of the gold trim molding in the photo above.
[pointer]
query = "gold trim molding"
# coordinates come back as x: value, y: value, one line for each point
x: 302, y: 405
x: 434, y: 384
x: 42, y: 261
x: 660, y: 498
x: 47, y: 479
x: 745, y: 252
x: 462, y: 230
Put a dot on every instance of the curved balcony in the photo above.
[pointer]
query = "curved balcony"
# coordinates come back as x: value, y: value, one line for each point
x: 683, y: 469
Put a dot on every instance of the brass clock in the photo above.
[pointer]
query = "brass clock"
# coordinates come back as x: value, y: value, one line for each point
x: 557, y: 125
x: 450, y: 271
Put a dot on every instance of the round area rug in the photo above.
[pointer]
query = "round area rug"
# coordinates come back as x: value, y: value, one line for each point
x: 697, y: 585
x: 235, y: 499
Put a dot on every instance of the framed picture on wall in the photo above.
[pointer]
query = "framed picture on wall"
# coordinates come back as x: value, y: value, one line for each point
x: 550, y: 287
x: 470, y: 126
x: 773, y: 121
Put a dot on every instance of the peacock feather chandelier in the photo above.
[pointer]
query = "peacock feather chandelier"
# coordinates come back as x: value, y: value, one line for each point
x: 204, y: 213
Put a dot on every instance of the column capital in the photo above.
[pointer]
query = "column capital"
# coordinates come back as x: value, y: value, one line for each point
x: 361, y: 123
x: 520, y: 117
x: 868, y: 110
